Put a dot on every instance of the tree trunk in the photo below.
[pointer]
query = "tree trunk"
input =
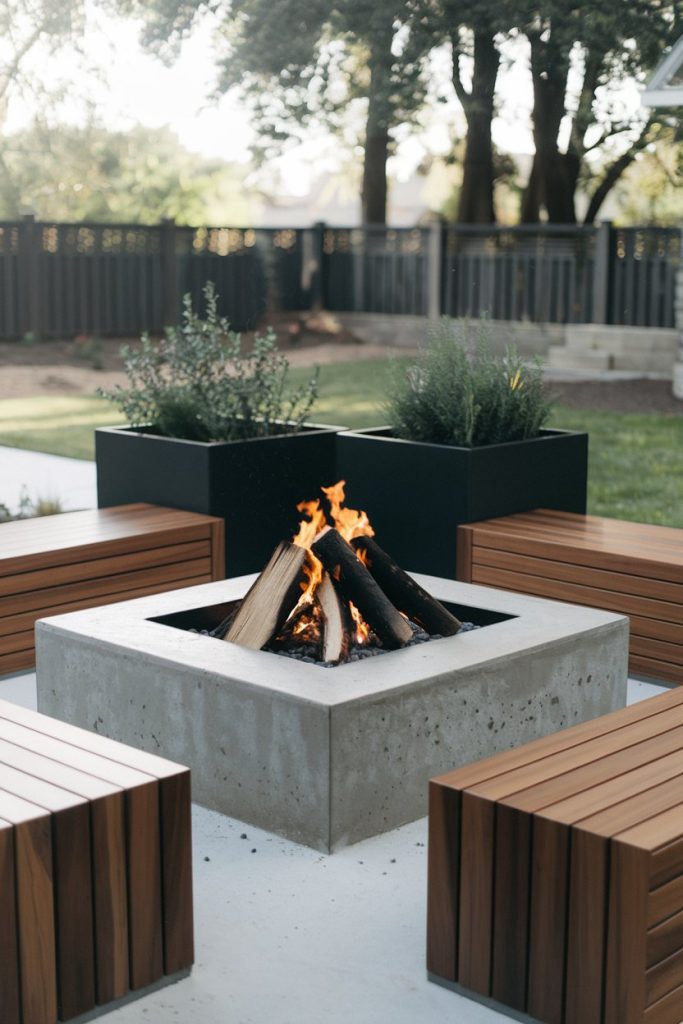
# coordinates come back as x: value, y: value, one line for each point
x: 613, y: 173
x: 475, y: 205
x: 552, y: 182
x: 374, y: 189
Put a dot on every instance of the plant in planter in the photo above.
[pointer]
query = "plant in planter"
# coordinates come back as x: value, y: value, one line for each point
x: 467, y: 442
x: 214, y: 428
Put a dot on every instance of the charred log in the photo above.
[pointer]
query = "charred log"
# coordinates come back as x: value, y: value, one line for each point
x: 404, y: 592
x: 356, y: 584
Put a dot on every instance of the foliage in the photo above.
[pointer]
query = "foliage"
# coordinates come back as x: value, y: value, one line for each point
x: 29, y: 509
x: 331, y: 61
x: 198, y: 383
x: 456, y: 397
x: 74, y: 173
x: 582, y: 54
x: 620, y: 444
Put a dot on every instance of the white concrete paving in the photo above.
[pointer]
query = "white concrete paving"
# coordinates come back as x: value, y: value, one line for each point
x: 72, y: 481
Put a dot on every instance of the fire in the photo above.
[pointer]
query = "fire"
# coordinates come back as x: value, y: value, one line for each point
x: 350, y: 523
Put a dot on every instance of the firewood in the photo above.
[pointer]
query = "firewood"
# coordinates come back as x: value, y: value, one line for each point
x: 356, y: 584
x: 336, y: 635
x: 405, y: 593
x: 270, y: 600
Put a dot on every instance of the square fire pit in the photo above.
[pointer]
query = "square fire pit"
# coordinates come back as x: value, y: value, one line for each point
x: 328, y: 756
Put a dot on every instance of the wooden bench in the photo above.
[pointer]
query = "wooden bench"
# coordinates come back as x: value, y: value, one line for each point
x: 605, y: 563
x: 95, y: 869
x: 556, y: 872
x: 78, y: 560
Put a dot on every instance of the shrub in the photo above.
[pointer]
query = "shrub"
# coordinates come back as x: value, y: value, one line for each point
x: 467, y: 399
x: 198, y: 383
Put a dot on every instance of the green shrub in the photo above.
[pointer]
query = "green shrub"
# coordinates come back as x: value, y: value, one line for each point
x: 197, y: 383
x: 466, y: 399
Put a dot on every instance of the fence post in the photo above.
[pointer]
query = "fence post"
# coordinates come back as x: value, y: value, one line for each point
x: 434, y: 265
x: 312, y: 264
x: 169, y: 273
x: 29, y: 284
x: 678, y: 313
x: 601, y: 272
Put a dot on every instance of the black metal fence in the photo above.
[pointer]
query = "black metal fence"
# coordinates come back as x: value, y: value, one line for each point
x: 60, y: 280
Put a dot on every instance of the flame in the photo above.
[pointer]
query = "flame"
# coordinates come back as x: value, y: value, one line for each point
x: 347, y: 521
x: 362, y: 628
x: 350, y: 523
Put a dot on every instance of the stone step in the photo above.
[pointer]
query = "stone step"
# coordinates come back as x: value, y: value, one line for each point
x: 582, y: 337
x: 561, y: 358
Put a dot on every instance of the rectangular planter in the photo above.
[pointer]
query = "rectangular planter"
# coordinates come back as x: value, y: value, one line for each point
x: 253, y: 485
x: 416, y: 494
x: 327, y: 757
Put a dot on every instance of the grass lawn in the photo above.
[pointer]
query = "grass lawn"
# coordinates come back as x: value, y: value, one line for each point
x: 636, y: 461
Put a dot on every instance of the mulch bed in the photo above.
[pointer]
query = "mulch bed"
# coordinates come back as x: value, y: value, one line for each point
x: 635, y: 396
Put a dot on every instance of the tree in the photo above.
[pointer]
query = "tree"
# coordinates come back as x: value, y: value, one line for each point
x: 141, y: 176
x: 304, y: 62
x: 581, y: 54
x: 31, y: 31
x: 473, y: 29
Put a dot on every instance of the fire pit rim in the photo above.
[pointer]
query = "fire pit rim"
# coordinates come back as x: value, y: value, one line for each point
x: 128, y: 625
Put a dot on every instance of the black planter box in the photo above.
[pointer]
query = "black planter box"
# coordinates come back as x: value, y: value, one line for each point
x: 253, y: 485
x: 417, y: 494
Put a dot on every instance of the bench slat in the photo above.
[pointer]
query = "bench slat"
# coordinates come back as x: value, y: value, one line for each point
x: 575, y: 594
x: 54, y: 576
x: 27, y: 620
x: 107, y: 587
x: 9, y: 961
x: 568, y: 572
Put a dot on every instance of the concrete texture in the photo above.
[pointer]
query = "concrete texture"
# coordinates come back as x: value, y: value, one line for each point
x: 407, y: 331
x: 287, y: 936
x: 328, y: 756
x: 596, y: 347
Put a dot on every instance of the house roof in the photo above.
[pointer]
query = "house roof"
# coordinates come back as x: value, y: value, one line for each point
x: 665, y: 88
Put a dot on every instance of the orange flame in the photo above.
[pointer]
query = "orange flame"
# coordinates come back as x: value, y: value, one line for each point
x: 350, y: 523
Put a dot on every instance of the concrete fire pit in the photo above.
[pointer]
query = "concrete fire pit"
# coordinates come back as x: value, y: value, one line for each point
x: 327, y: 757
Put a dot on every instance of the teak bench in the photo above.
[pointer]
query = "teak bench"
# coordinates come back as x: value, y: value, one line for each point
x: 624, y: 567
x: 556, y: 872
x: 78, y: 560
x: 95, y: 869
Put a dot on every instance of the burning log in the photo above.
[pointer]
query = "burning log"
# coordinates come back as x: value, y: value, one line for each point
x: 336, y: 637
x: 270, y: 600
x: 404, y: 592
x: 356, y: 584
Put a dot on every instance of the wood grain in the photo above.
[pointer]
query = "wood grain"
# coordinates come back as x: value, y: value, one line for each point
x: 144, y: 885
x: 627, y: 568
x: 80, y: 560
x: 443, y: 881
x: 548, y: 920
x: 476, y: 894
x: 511, y: 907
x: 9, y: 952
x: 176, y: 873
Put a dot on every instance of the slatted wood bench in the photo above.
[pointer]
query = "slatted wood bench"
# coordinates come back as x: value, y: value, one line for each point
x: 556, y: 872
x: 618, y: 566
x: 95, y: 869
x: 78, y: 560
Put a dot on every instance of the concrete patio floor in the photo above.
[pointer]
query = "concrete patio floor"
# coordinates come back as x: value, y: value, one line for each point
x: 285, y: 935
